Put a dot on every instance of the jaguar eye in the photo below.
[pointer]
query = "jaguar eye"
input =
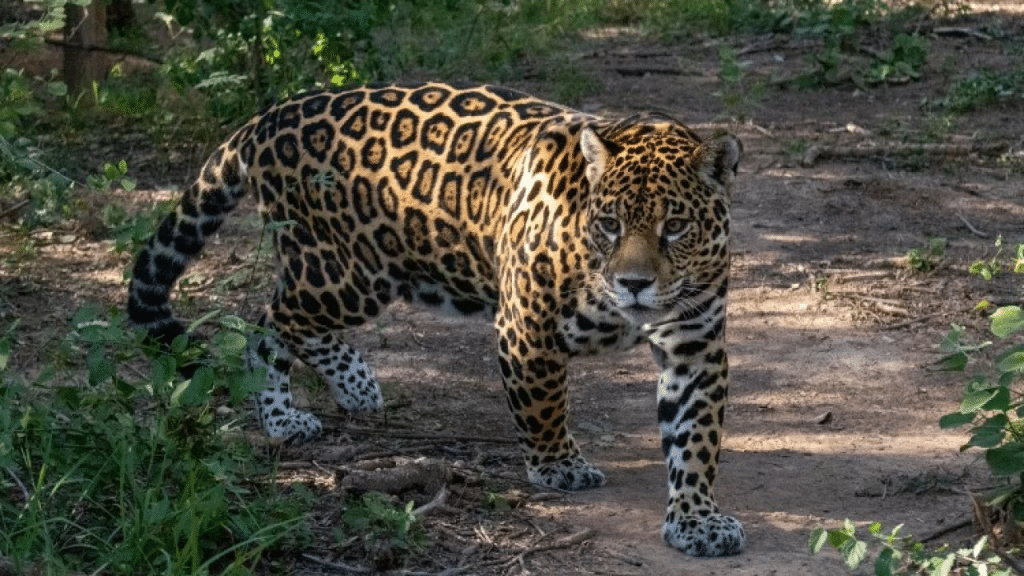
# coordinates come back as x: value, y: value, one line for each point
x: 675, y: 226
x: 609, y: 226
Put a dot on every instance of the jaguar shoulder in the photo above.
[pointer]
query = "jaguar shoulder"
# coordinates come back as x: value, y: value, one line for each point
x: 575, y: 232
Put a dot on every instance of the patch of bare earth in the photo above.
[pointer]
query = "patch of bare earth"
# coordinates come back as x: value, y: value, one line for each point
x: 832, y: 414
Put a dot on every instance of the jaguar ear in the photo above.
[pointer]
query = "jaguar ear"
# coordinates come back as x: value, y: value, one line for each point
x: 597, y: 152
x: 723, y: 160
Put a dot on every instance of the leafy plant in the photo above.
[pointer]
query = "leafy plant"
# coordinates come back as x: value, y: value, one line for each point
x: 30, y: 34
x: 927, y: 258
x: 993, y: 407
x: 389, y: 532
x: 902, y: 555
x: 983, y: 89
x: 99, y: 485
x: 24, y: 179
x: 903, y: 61
x: 995, y: 411
x: 739, y: 94
x: 845, y: 57
x: 988, y: 269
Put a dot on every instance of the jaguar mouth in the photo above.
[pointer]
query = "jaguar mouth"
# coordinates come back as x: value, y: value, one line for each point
x: 642, y: 315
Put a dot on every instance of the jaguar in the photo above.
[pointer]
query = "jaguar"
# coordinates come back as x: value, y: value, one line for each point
x: 576, y: 233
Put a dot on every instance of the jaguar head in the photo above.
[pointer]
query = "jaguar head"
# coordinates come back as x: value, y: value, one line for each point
x: 658, y: 215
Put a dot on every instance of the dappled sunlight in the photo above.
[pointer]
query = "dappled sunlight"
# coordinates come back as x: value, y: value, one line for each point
x: 1003, y: 6
x: 790, y: 238
x: 938, y: 444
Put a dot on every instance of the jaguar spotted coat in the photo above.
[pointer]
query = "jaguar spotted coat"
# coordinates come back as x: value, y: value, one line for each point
x: 576, y: 233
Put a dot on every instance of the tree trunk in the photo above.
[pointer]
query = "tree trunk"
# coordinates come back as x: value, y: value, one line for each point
x: 84, y: 29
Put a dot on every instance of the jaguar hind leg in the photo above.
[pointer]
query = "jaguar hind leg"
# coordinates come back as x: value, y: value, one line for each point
x: 349, y: 377
x: 342, y: 367
x: 274, y: 404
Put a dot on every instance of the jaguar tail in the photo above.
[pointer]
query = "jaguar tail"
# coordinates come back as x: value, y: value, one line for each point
x: 180, y: 238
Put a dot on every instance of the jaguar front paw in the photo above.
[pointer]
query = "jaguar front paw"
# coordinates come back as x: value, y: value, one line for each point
x: 567, y: 474
x: 704, y: 536
x: 292, y: 425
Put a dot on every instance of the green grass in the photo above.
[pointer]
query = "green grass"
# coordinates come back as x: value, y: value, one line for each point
x: 134, y: 476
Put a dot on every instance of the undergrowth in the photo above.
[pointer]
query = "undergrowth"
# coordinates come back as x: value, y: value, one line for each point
x: 992, y: 405
x: 110, y: 472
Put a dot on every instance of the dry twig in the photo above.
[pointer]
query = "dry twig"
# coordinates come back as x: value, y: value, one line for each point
x: 960, y: 31
x: 564, y: 542
x: 438, y: 500
x: 973, y: 230
x: 342, y: 568
x: 14, y: 208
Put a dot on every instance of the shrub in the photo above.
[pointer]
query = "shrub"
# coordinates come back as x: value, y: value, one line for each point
x: 112, y: 474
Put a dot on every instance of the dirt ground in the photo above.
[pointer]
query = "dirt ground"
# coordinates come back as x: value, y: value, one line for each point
x: 833, y: 412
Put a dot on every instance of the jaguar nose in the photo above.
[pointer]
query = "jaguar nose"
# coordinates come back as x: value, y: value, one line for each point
x: 635, y: 285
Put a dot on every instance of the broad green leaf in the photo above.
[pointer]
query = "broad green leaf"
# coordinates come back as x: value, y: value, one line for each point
x: 951, y: 363
x: 58, y: 89
x: 1006, y: 460
x: 1011, y: 360
x: 250, y: 382
x: 229, y: 343
x: 194, y: 392
x: 1006, y: 379
x: 991, y: 433
x: 955, y: 420
x: 975, y: 400
x: 895, y: 532
x: 951, y: 341
x: 179, y: 344
x: 1002, y: 496
x: 979, y: 546
x: 125, y: 389
x: 840, y: 536
x: 817, y: 540
x: 1000, y: 402
x: 232, y: 322
x: 5, y: 352
x: 164, y: 370
x: 70, y: 396
x: 943, y: 567
x: 101, y: 368
x: 854, y: 551
x: 888, y: 562
x: 1007, y: 320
